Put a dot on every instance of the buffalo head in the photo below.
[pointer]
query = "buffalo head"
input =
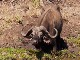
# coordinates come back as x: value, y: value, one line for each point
x: 40, y: 34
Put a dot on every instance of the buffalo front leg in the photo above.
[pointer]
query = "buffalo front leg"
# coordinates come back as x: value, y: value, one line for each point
x: 54, y: 47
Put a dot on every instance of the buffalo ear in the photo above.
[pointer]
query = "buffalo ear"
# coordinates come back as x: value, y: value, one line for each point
x: 28, y: 33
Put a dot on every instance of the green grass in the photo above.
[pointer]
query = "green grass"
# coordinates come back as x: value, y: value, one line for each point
x: 75, y: 41
x: 21, y: 53
x: 6, y: 53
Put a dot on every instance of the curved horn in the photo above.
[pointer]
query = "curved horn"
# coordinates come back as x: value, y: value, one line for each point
x: 55, y: 34
x: 44, y: 30
x: 28, y: 32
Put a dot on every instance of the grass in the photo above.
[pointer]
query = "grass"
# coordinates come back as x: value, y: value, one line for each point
x: 18, y: 53
x: 24, y: 54
x: 21, y: 53
x: 75, y: 41
x: 36, y: 3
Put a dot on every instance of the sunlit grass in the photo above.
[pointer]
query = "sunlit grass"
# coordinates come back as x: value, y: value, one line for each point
x: 74, y: 41
x: 21, y: 53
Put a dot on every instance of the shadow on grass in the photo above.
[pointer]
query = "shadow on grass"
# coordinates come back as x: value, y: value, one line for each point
x: 39, y: 55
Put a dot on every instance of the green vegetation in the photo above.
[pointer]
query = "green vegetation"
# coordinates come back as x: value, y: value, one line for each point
x: 21, y: 54
x: 14, y: 53
x: 75, y: 41
x: 24, y: 54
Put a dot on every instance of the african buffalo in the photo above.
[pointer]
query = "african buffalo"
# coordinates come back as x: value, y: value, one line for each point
x: 46, y: 35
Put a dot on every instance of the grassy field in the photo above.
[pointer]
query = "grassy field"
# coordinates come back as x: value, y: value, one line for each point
x: 24, y: 54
